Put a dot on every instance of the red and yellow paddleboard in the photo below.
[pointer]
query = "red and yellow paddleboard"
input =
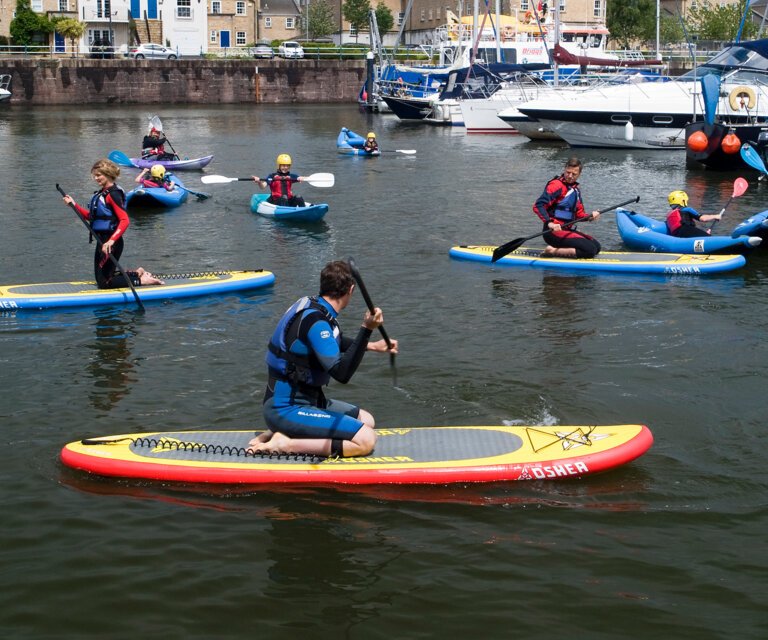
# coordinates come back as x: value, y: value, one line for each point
x: 423, y: 455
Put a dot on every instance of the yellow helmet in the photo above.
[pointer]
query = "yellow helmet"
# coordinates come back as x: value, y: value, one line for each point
x: 283, y: 158
x: 157, y: 171
x: 678, y: 197
x: 371, y: 134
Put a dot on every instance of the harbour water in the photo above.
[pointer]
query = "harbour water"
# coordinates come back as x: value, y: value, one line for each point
x: 668, y: 546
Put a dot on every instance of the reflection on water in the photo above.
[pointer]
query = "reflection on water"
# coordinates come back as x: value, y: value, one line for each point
x: 109, y: 365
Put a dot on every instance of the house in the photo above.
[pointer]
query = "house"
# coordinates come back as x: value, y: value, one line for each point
x: 232, y: 23
x: 279, y: 20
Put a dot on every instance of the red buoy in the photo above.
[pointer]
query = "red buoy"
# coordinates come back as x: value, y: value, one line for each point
x: 698, y: 141
x: 731, y: 143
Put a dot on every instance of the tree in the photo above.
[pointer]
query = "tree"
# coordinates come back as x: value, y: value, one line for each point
x: 631, y: 20
x: 320, y: 19
x: 28, y: 27
x: 356, y: 13
x: 72, y: 29
x: 710, y: 22
x: 384, y: 18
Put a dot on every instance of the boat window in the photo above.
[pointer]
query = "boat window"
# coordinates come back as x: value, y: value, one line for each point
x: 620, y: 118
x: 658, y: 119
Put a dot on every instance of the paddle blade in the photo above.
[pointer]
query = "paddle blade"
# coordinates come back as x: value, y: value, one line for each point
x: 156, y: 123
x: 118, y: 157
x: 218, y: 179
x: 408, y: 152
x: 321, y: 179
x: 750, y: 155
x: 507, y: 247
x: 739, y: 187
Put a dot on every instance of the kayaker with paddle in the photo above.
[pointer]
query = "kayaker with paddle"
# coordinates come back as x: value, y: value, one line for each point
x: 108, y: 220
x: 152, y: 147
x: 280, y: 183
x: 561, y: 204
x: 681, y: 220
x: 306, y: 350
x: 156, y: 179
x: 371, y: 145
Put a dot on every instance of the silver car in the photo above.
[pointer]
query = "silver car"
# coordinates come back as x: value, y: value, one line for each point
x: 152, y: 51
x: 262, y: 50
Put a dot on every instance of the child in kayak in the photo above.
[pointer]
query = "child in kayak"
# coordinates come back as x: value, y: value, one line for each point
x: 681, y: 220
x: 157, y: 178
x: 370, y: 143
x: 280, y: 183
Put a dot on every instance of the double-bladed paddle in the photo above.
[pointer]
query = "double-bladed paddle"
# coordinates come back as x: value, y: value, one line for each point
x: 739, y: 187
x: 118, y: 157
x: 750, y: 155
x: 99, y: 243
x: 369, y: 303
x: 509, y: 247
x: 200, y: 195
x: 316, y: 179
x: 408, y: 152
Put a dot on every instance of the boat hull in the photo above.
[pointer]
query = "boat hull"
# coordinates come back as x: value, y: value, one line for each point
x: 309, y: 213
x: 157, y: 196
x: 714, y: 156
x: 174, y: 165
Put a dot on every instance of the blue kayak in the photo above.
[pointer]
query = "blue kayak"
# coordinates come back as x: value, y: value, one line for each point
x: 308, y: 213
x: 756, y: 225
x: 157, y: 196
x: 641, y: 233
x: 351, y: 144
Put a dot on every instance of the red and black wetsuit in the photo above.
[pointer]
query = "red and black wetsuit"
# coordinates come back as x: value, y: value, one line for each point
x: 280, y: 186
x: 152, y: 147
x: 681, y: 223
x: 561, y: 203
x: 108, y: 220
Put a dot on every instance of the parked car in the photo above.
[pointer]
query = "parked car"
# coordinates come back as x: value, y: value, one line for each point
x: 152, y: 51
x: 101, y: 49
x: 290, y: 49
x: 263, y: 50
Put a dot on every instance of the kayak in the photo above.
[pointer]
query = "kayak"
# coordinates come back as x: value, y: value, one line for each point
x: 607, y: 261
x: 641, y: 233
x: 78, y: 294
x: 174, y: 165
x: 157, y: 196
x: 350, y: 143
x: 308, y: 213
x: 423, y: 455
x: 756, y: 225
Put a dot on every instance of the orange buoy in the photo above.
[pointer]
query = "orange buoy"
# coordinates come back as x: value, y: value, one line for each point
x: 698, y: 141
x: 731, y: 143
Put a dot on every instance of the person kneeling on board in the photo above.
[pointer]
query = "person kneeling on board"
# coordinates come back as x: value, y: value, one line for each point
x: 560, y: 203
x: 108, y: 220
x: 681, y: 220
x: 306, y: 350
x: 280, y: 183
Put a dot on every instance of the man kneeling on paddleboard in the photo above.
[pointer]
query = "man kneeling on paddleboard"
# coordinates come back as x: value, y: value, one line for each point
x: 307, y: 349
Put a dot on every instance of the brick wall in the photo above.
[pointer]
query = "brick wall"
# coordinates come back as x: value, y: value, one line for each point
x: 193, y: 81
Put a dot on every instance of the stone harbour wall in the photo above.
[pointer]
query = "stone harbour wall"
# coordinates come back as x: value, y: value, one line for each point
x: 192, y: 81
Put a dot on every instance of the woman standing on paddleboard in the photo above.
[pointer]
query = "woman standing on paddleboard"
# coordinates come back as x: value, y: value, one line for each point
x: 108, y: 220
x: 559, y: 207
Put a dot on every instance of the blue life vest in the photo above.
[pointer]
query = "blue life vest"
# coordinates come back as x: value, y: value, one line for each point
x: 298, y: 369
x: 101, y: 216
x: 566, y: 209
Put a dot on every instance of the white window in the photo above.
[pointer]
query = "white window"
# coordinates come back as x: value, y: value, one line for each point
x: 524, y: 5
x: 240, y: 8
x: 423, y: 15
x: 438, y: 12
x: 37, y: 6
x: 400, y: 18
x: 289, y: 23
x: 63, y: 5
x: 240, y: 38
x: 562, y: 6
x: 216, y: 6
x: 598, y: 9
x: 431, y: 16
x: 267, y: 23
x: 183, y: 8
x: 352, y: 31
x: 214, y: 35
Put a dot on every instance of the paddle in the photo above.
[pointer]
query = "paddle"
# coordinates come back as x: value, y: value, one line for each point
x: 99, y: 243
x: 509, y: 247
x: 199, y: 194
x: 369, y: 303
x: 118, y: 157
x: 408, y: 152
x: 739, y: 187
x: 750, y: 155
x: 316, y: 179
